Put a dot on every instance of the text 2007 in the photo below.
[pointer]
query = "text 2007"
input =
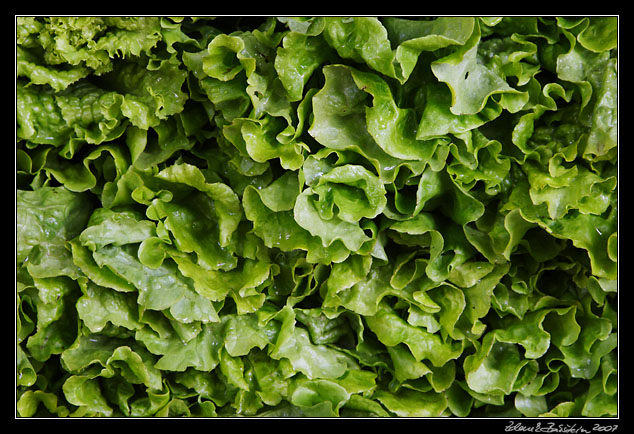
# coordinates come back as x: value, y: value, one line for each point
x: 604, y: 428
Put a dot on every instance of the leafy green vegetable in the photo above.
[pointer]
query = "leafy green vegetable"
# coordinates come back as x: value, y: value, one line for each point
x: 316, y: 216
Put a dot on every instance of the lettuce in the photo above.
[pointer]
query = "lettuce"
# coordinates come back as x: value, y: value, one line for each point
x: 317, y: 216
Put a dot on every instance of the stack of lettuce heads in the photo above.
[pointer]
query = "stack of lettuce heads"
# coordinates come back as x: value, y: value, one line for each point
x: 316, y: 216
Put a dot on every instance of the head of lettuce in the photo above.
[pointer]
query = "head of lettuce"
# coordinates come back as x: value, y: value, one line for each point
x: 316, y: 216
